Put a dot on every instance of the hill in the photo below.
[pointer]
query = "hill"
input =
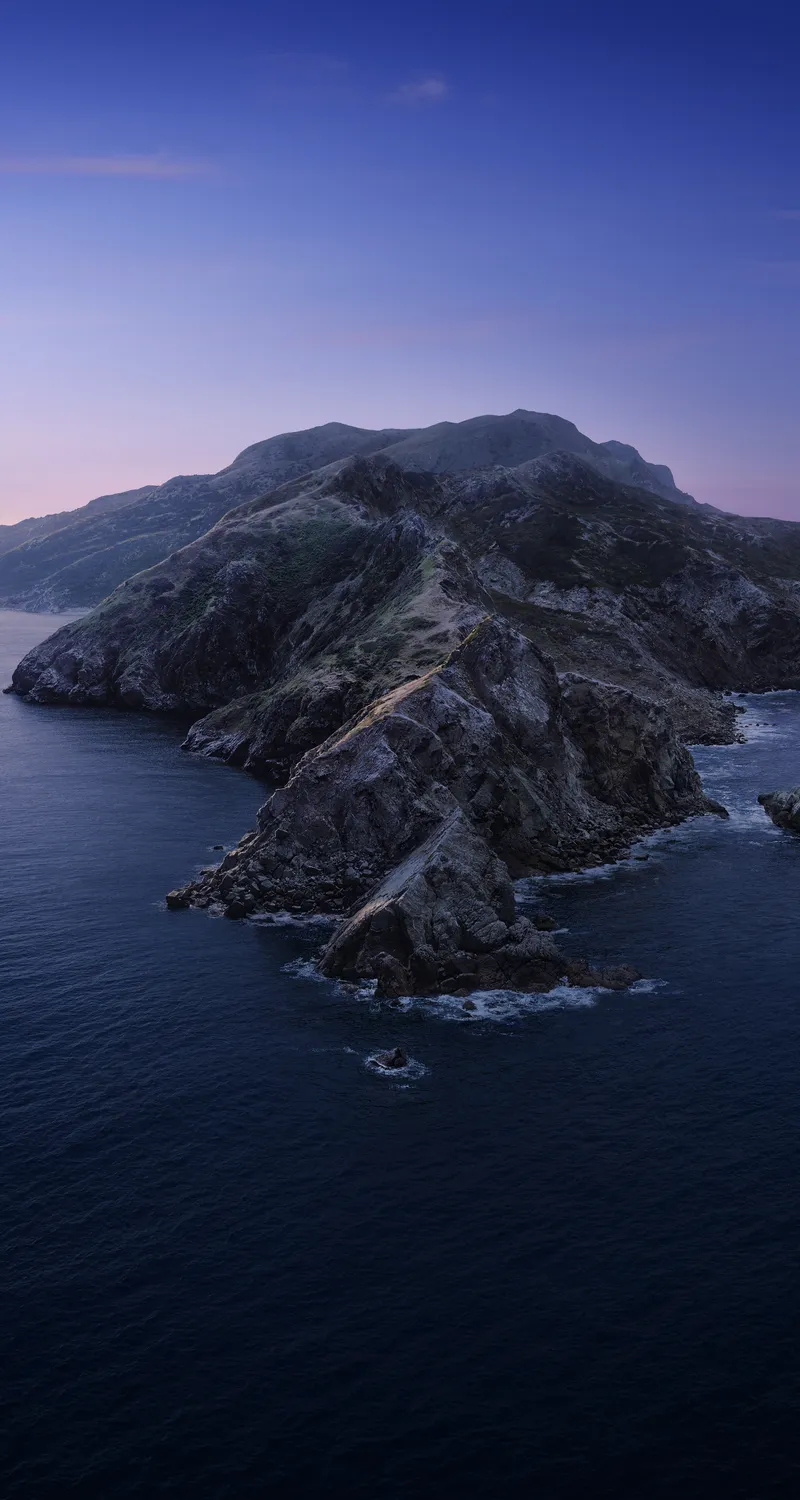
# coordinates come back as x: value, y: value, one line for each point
x: 460, y: 677
x: 74, y: 559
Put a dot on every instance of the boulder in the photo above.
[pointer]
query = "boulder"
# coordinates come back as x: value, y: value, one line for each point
x: 178, y: 900
x: 783, y: 808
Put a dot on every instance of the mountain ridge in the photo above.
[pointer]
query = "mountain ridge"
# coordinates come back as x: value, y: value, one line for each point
x: 74, y: 559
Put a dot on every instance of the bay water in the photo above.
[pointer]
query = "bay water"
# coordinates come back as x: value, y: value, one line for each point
x: 557, y: 1257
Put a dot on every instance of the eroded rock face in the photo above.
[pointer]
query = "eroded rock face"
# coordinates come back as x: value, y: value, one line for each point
x: 446, y: 921
x: 412, y: 819
x: 783, y: 808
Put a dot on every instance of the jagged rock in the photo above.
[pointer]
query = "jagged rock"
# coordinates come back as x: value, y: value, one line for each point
x: 445, y: 919
x: 178, y: 900
x: 411, y: 817
x: 783, y: 808
x: 551, y: 777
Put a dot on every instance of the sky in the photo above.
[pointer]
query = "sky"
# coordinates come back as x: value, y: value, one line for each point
x: 219, y: 221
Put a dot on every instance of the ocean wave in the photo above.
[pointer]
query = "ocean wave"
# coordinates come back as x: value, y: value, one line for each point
x: 305, y: 968
x: 530, y: 886
x: 293, y: 919
x: 511, y: 1005
x: 479, y: 1005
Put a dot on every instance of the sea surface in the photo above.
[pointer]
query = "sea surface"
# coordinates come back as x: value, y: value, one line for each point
x: 559, y: 1258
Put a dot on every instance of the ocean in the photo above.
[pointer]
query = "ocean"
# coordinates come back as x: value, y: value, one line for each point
x: 556, y: 1258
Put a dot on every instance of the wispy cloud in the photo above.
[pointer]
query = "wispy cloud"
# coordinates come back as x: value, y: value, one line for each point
x: 157, y: 166
x: 430, y: 90
x: 790, y: 214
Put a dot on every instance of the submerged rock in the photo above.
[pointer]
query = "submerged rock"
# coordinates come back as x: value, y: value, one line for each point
x: 783, y: 808
x: 396, y: 1058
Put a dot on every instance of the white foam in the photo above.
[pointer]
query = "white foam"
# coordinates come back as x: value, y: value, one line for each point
x: 307, y: 968
x: 412, y: 1069
x: 531, y: 885
x: 511, y: 1005
x: 304, y: 968
x: 293, y: 919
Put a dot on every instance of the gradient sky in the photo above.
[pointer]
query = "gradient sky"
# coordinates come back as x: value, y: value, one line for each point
x: 219, y: 221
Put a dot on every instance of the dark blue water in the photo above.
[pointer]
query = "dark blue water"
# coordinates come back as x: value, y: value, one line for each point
x: 561, y: 1261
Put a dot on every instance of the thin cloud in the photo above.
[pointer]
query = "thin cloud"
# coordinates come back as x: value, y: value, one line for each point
x: 790, y: 214
x: 431, y: 90
x: 158, y: 166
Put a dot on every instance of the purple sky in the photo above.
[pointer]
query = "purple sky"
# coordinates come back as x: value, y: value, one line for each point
x: 218, y: 222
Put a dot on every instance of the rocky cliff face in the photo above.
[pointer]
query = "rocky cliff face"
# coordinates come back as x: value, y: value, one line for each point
x: 414, y: 816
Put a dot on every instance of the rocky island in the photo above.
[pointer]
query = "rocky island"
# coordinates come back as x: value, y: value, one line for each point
x: 464, y: 655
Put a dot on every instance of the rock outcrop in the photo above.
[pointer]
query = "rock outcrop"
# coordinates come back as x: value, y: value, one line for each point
x: 411, y: 820
x: 783, y: 808
x: 446, y: 921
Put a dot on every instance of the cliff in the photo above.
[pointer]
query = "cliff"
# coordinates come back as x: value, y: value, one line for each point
x: 460, y: 677
x: 413, y: 818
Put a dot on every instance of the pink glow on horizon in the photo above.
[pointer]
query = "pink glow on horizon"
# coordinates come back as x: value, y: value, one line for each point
x: 156, y: 166
x: 66, y: 478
